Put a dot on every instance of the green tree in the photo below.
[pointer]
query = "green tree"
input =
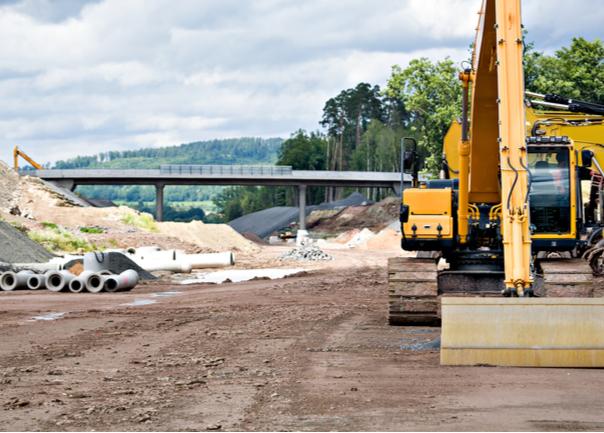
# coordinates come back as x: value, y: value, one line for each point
x: 431, y: 93
x: 304, y: 151
x: 576, y: 71
x: 346, y: 117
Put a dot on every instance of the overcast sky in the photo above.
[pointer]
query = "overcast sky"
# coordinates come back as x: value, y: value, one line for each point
x: 81, y: 77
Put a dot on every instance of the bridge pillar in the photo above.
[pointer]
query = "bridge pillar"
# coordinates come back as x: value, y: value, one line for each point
x: 302, y: 233
x: 159, y: 202
x: 302, y: 207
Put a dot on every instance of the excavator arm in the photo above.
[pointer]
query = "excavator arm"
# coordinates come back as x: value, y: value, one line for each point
x: 493, y: 157
x: 19, y: 153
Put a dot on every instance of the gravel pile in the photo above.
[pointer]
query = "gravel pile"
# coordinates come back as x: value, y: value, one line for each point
x: 16, y: 247
x: 306, y: 252
x: 267, y: 221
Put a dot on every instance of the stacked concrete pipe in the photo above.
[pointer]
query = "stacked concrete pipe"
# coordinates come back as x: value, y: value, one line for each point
x: 35, y: 282
x: 10, y: 280
x: 58, y: 281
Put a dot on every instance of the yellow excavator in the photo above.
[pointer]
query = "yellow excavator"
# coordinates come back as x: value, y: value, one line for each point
x: 500, y: 239
x: 19, y: 153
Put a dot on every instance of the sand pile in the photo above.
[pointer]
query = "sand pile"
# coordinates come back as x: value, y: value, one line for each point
x: 360, y: 238
x: 387, y: 239
x: 218, y: 237
x: 344, y: 238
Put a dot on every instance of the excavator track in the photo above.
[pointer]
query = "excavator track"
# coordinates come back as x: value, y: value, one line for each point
x: 413, y: 291
x: 571, y: 278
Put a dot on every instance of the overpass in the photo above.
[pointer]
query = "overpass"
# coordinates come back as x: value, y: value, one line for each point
x: 220, y: 175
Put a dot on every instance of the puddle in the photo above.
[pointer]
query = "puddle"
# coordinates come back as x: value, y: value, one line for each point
x: 140, y: 302
x: 165, y: 294
x: 49, y: 316
x: 415, y: 345
x: 238, y: 275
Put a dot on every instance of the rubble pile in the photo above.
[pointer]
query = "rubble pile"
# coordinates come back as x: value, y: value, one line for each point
x: 306, y: 252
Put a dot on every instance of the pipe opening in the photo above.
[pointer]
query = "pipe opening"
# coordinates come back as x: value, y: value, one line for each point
x: 95, y: 281
x: 34, y: 282
x: 111, y: 284
x: 8, y: 279
x: 76, y: 286
x: 55, y: 281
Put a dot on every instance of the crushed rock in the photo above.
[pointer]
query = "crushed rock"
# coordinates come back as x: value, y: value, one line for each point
x: 306, y: 252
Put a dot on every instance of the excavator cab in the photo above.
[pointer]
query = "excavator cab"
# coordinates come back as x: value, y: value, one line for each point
x: 550, y: 197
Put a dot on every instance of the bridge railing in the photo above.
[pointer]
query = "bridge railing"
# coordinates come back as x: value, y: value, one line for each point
x: 227, y: 170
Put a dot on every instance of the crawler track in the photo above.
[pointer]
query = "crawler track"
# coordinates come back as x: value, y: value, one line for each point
x: 569, y: 278
x: 413, y: 291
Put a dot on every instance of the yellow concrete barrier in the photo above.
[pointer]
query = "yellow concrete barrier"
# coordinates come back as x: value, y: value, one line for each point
x: 530, y: 332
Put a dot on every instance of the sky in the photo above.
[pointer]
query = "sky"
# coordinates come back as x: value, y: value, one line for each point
x: 83, y: 77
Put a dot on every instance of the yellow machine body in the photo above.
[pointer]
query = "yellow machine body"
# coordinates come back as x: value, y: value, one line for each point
x: 19, y: 153
x: 431, y: 215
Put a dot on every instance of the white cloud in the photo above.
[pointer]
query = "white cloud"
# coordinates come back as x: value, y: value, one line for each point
x: 83, y: 77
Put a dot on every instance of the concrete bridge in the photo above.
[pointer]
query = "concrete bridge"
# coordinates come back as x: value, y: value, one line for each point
x: 220, y: 175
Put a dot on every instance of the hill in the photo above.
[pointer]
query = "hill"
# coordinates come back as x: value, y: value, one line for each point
x: 182, y: 202
x: 246, y: 150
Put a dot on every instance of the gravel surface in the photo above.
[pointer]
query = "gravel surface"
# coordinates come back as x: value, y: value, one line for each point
x: 16, y: 247
x: 303, y: 353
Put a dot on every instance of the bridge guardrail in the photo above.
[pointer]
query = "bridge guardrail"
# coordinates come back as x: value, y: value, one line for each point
x: 226, y: 170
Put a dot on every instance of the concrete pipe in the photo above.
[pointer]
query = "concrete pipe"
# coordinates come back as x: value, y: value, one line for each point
x: 11, y: 280
x: 57, y: 281
x: 95, y: 261
x: 78, y: 284
x: 152, y: 264
x: 94, y: 283
x: 213, y: 260
x: 123, y: 282
x: 35, y: 282
x: 36, y: 267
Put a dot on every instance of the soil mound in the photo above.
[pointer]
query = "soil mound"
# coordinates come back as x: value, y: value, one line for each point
x: 218, y: 237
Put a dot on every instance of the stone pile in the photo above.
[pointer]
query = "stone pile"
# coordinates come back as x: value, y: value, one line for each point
x: 306, y: 252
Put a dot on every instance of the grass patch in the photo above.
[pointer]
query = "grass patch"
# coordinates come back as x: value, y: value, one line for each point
x: 92, y: 230
x: 50, y: 226
x: 143, y: 221
x: 59, y: 240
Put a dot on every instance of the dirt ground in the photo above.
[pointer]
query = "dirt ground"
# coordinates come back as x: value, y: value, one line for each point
x: 311, y: 352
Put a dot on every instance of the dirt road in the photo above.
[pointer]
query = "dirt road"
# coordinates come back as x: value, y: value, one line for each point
x: 304, y: 353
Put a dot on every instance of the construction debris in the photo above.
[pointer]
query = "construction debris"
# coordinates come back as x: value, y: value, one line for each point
x: 307, y: 253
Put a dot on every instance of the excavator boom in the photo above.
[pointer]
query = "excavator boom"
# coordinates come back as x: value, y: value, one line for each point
x: 19, y: 153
